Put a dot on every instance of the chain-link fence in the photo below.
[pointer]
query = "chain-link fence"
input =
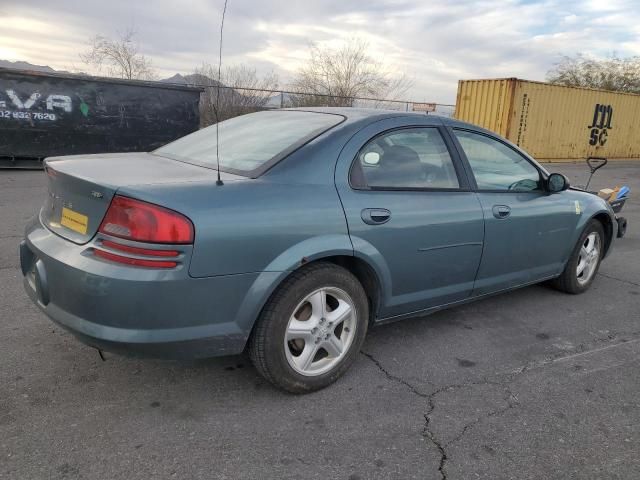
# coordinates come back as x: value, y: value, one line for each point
x: 223, y: 102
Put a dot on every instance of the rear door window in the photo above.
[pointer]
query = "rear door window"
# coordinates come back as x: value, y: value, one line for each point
x: 412, y: 158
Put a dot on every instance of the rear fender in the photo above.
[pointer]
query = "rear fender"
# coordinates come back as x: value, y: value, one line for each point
x: 280, y: 268
x: 370, y: 254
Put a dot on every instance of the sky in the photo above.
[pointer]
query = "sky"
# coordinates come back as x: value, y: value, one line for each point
x: 434, y: 42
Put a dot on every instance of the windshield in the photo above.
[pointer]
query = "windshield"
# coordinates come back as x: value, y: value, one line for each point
x: 250, y: 143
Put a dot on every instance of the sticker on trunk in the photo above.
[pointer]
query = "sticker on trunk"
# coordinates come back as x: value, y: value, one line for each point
x: 74, y: 221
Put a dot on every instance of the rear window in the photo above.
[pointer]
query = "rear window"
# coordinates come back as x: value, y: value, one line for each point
x: 251, y: 143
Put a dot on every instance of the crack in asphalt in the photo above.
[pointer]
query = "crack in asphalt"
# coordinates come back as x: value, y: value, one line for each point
x: 392, y: 377
x: 628, y: 282
x: 511, y: 398
x: 581, y: 349
x: 427, y: 432
x: 512, y: 402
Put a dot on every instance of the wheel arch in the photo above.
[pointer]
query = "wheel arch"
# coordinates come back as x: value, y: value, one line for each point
x: 365, y: 274
x: 609, y: 231
x: 268, y: 283
x: 606, y: 219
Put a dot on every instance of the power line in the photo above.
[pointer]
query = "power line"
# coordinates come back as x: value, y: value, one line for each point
x: 290, y: 92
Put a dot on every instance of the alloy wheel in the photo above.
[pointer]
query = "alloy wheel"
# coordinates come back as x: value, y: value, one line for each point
x: 320, y: 331
x: 588, y: 258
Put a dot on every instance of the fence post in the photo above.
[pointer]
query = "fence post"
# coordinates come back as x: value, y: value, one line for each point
x: 281, y: 99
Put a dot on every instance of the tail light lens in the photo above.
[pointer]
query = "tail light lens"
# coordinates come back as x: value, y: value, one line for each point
x: 146, y: 222
x: 136, y: 262
x: 139, y: 251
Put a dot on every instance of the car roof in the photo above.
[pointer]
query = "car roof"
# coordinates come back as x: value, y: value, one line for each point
x: 367, y: 115
x: 353, y: 114
x: 359, y: 117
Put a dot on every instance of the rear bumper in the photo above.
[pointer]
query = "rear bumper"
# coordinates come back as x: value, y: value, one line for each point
x: 136, y: 311
x: 178, y: 343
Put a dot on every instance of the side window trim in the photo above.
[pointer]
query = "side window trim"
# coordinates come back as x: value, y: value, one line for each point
x: 461, y: 157
x: 458, y: 165
x: 467, y: 165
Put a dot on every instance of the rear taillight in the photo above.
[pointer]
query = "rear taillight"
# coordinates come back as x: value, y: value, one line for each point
x: 146, y: 222
x: 136, y: 262
x: 139, y: 251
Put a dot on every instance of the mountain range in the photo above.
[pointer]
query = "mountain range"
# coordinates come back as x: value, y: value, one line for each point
x: 26, y: 66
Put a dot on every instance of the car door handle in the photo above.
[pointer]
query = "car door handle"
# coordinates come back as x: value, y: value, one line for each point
x: 375, y: 216
x: 501, y: 211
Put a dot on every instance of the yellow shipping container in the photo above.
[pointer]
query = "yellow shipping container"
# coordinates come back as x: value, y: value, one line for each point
x: 553, y: 122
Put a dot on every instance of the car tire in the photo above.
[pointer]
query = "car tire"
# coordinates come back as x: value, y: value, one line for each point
x: 293, y: 345
x: 582, y: 267
x: 622, y: 227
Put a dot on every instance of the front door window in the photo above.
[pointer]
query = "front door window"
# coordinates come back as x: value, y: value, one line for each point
x: 495, y: 166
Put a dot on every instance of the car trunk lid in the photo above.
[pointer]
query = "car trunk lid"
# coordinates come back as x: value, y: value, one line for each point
x: 82, y: 187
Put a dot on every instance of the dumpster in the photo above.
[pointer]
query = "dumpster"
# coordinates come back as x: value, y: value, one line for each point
x: 50, y: 114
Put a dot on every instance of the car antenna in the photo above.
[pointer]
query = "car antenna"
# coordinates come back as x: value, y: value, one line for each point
x: 219, y: 181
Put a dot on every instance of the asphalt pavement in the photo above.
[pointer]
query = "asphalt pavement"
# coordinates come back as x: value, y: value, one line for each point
x: 529, y: 384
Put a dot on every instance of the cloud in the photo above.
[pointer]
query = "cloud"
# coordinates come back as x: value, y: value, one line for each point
x: 435, y: 43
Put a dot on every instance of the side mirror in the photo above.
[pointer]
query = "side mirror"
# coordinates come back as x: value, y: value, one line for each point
x: 557, y: 183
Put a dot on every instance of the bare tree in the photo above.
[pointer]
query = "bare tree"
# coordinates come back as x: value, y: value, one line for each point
x: 613, y: 73
x: 334, y: 77
x: 120, y: 57
x: 248, y: 92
